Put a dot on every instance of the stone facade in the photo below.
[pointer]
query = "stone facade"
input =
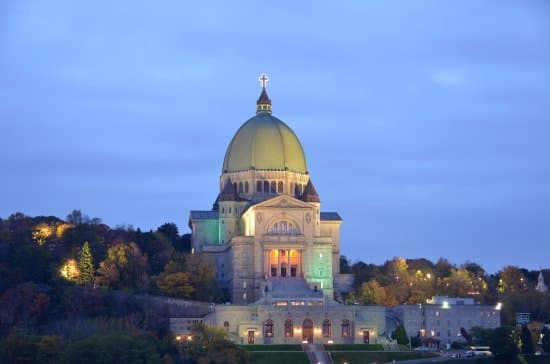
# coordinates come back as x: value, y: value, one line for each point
x: 444, y: 318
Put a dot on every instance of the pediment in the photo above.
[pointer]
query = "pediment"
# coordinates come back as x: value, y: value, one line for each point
x: 284, y: 201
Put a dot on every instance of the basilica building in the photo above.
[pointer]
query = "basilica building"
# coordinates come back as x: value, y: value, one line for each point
x: 276, y: 251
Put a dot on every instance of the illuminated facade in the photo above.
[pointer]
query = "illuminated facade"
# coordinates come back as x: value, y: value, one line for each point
x: 275, y: 251
x: 266, y: 223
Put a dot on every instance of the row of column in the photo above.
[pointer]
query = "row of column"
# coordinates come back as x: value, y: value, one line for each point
x: 280, y: 263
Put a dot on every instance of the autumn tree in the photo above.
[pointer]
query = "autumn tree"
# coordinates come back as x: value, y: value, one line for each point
x: 85, y: 264
x: 176, y: 284
x: 210, y: 345
x: 511, y: 280
x: 371, y: 293
x: 203, y: 277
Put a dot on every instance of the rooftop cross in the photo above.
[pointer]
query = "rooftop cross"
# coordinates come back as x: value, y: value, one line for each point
x: 263, y: 80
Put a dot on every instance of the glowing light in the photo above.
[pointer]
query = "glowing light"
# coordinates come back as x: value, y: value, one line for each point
x: 69, y: 270
x: 445, y: 305
x: 429, y: 276
x: 330, y: 342
x: 498, y: 306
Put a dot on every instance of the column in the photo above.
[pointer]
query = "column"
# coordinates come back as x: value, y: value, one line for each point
x: 278, y: 263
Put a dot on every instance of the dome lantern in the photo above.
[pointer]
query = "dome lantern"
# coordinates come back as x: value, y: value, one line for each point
x: 263, y: 105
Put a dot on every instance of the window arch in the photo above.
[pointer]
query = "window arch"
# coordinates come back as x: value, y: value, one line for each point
x: 280, y: 187
x: 297, y: 190
x: 240, y: 187
x: 345, y: 328
x: 226, y: 325
x: 235, y: 186
x: 289, y: 328
x: 259, y: 186
x: 246, y: 187
x: 266, y: 187
x: 273, y: 188
x: 283, y: 227
x: 326, y: 328
x: 268, y: 328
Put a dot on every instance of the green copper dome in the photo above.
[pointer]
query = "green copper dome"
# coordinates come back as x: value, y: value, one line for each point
x: 264, y: 142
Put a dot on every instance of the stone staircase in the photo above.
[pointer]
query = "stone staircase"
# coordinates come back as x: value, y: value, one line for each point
x: 316, y: 354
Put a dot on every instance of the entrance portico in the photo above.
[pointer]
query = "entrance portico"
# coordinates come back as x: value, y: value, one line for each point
x: 283, y: 262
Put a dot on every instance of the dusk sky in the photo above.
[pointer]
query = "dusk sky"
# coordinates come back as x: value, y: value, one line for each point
x: 425, y: 123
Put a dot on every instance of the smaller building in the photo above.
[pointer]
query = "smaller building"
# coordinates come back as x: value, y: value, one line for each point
x: 442, y: 320
x: 541, y: 286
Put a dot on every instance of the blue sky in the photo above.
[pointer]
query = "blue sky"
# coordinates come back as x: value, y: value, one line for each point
x: 425, y: 123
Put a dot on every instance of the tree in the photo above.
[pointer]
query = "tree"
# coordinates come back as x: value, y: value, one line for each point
x: 512, y: 280
x: 210, y: 345
x: 203, y: 277
x: 546, y: 339
x: 401, y: 335
x: 344, y: 265
x: 503, y: 342
x: 526, y: 341
x: 76, y: 217
x: 480, y: 335
x: 371, y: 293
x: 176, y: 284
x: 85, y: 264
x: 114, y: 348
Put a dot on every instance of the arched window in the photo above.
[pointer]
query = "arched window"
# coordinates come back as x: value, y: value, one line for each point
x: 326, y: 328
x: 345, y: 328
x: 283, y: 227
x: 280, y: 187
x: 289, y: 330
x: 266, y: 187
x: 297, y: 190
x: 226, y: 325
x: 259, y: 186
x: 268, y: 328
x: 235, y: 186
x: 240, y: 187
x: 273, y: 187
x: 246, y: 187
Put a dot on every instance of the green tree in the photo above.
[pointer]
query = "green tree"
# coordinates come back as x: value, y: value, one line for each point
x: 503, y: 342
x: 85, y: 264
x: 480, y: 335
x: 526, y: 341
x: 114, y: 348
x: 401, y: 335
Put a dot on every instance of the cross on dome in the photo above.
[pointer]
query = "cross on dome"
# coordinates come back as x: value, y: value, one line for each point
x: 263, y: 105
x: 263, y: 80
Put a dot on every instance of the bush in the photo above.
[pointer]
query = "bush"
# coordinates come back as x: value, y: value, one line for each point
x: 114, y: 348
x: 401, y: 335
x: 503, y: 342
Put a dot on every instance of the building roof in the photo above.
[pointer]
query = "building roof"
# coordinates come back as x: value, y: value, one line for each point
x: 229, y: 192
x: 205, y: 215
x: 266, y: 143
x: 310, y: 194
x: 331, y: 216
